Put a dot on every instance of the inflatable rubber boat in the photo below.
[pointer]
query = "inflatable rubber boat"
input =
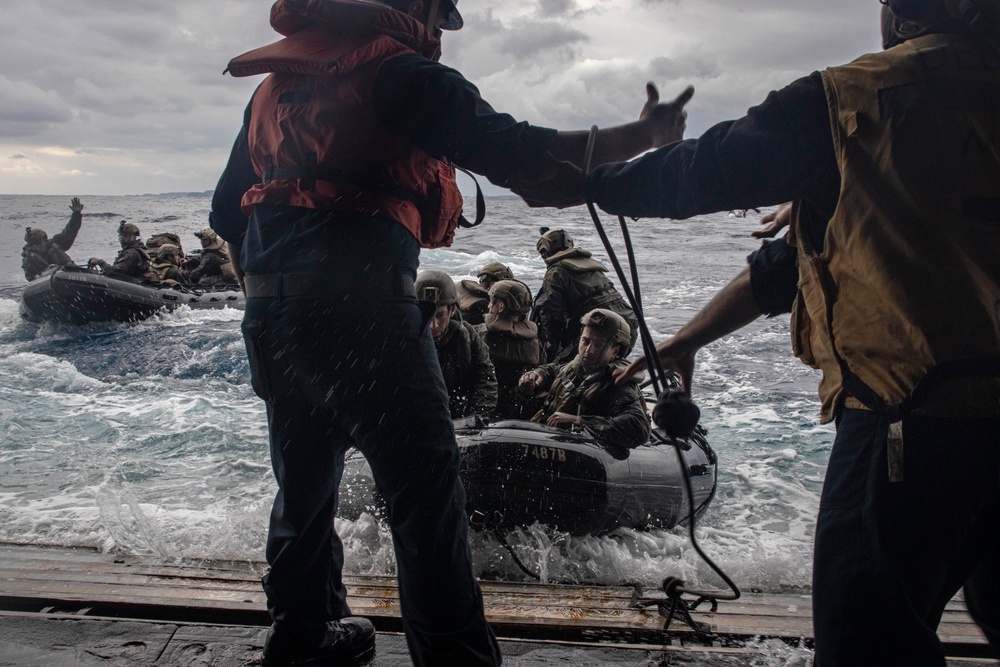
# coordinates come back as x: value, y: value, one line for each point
x: 78, y: 295
x: 518, y: 472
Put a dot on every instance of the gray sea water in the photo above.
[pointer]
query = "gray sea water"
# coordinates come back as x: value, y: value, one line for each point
x: 146, y: 438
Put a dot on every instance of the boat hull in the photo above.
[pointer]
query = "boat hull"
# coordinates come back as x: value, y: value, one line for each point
x: 77, y: 295
x: 517, y: 473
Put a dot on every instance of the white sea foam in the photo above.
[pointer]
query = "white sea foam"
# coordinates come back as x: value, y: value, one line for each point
x: 147, y: 438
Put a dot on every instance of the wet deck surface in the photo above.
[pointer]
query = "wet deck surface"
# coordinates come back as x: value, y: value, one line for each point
x: 80, y: 607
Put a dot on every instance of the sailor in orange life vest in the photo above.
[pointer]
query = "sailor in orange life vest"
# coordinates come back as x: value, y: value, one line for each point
x: 342, y: 172
x: 891, y: 272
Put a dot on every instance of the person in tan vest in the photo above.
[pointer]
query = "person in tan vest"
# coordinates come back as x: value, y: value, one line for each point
x: 890, y: 271
x: 213, y: 266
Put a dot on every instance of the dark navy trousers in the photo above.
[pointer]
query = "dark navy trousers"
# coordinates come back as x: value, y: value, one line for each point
x: 336, y: 374
x: 890, y: 555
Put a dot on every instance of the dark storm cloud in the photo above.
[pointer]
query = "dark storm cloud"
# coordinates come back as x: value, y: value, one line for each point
x: 131, y: 94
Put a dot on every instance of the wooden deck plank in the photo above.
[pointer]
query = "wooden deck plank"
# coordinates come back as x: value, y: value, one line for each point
x: 149, y: 588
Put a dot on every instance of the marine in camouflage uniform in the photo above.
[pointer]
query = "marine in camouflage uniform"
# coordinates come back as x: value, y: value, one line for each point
x: 167, y: 266
x: 213, y: 267
x: 133, y: 259
x: 574, y: 284
x: 40, y: 252
x: 464, y: 357
x: 583, y: 392
x: 512, y: 342
x: 474, y: 295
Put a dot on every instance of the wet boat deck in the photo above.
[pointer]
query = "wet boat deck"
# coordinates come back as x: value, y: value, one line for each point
x: 173, y: 608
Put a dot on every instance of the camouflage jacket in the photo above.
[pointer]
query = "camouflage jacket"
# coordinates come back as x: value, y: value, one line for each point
x: 514, y: 349
x: 615, y: 414
x: 574, y: 284
x: 132, y: 260
x: 468, y: 371
x: 213, y: 268
x: 37, y: 258
x: 168, y: 271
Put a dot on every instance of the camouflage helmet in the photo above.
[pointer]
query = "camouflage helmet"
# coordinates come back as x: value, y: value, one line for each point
x: 128, y: 228
x: 436, y: 287
x: 207, y: 234
x: 495, y: 271
x: 35, y: 236
x: 514, y: 294
x: 167, y: 250
x: 553, y: 241
x: 608, y: 323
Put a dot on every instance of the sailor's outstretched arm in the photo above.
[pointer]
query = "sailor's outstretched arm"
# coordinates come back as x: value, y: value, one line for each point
x: 658, y: 125
x: 732, y: 308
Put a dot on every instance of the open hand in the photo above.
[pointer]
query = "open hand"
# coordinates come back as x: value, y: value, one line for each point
x: 76, y: 205
x: 667, y: 121
x: 774, y: 222
x: 529, y: 382
x: 671, y: 357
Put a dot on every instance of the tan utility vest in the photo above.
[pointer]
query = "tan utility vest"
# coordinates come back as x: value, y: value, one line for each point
x: 901, y: 309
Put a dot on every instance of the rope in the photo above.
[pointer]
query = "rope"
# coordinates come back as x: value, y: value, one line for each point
x: 672, y: 587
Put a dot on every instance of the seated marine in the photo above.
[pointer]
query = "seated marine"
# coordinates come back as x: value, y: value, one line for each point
x: 40, y: 252
x: 574, y: 284
x: 474, y: 296
x: 583, y: 393
x: 167, y: 265
x: 213, y: 266
x: 132, y: 260
x: 464, y: 358
x: 512, y: 342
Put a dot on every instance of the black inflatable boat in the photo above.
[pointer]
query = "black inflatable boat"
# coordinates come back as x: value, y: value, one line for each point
x: 78, y: 295
x: 517, y: 472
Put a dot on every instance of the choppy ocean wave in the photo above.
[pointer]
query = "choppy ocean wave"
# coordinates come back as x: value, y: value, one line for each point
x: 146, y: 438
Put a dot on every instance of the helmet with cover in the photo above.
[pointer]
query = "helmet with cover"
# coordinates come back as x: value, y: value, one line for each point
x: 493, y: 272
x: 514, y: 295
x: 209, y: 239
x: 167, y: 250
x: 608, y: 323
x: 128, y: 228
x: 553, y: 241
x: 436, y: 287
x: 35, y: 236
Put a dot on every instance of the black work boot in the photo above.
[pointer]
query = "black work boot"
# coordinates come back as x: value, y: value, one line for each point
x: 349, y: 641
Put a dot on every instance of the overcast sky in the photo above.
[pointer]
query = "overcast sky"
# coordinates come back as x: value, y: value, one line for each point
x: 128, y: 96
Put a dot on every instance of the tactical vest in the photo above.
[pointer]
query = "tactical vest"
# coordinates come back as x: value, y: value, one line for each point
x: 160, y: 269
x: 575, y: 392
x: 314, y: 135
x: 901, y: 309
x: 35, y: 259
